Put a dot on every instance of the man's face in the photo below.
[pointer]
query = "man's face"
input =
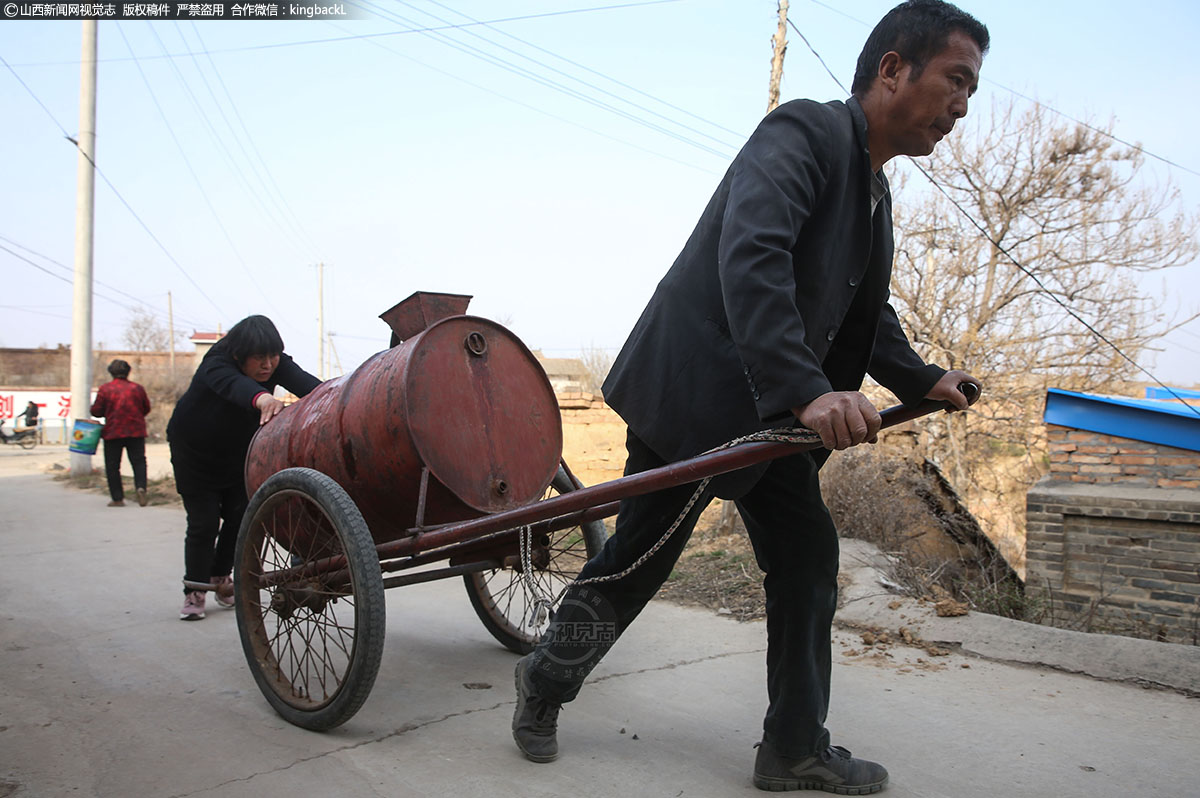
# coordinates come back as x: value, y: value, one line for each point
x: 925, y: 109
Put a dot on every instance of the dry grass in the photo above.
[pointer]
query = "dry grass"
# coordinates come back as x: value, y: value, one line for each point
x: 886, y: 500
x: 159, y: 491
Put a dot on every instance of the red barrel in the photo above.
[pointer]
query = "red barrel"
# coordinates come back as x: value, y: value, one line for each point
x: 464, y: 398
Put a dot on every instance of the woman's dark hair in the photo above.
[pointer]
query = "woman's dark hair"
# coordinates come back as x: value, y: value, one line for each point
x: 119, y: 368
x: 918, y: 30
x: 253, y: 335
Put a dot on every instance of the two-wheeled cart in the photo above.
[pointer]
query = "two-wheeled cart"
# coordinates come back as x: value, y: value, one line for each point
x: 437, y: 458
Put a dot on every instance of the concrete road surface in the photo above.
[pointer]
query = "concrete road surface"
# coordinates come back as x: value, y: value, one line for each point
x: 106, y: 693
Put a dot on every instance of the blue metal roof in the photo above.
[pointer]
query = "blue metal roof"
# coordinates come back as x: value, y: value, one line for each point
x: 1155, y: 392
x: 1167, y: 423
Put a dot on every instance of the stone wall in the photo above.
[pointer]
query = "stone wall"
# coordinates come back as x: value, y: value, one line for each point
x: 1113, y: 537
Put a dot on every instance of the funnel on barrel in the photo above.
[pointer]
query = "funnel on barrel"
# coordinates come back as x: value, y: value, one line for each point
x: 461, y: 396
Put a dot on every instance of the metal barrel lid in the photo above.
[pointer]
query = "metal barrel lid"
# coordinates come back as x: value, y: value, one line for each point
x: 481, y: 413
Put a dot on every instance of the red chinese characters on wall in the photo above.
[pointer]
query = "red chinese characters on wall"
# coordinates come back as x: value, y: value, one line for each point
x: 6, y: 405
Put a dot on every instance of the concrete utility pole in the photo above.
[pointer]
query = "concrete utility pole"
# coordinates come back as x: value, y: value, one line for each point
x: 778, y: 48
x: 85, y: 195
x: 321, y: 321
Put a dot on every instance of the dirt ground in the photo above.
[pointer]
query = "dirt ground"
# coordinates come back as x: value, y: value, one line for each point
x: 717, y: 570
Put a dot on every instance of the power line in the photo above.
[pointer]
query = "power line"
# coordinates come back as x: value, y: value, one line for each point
x: 66, y: 268
x: 594, y: 72
x: 818, y: 55
x: 188, y: 163
x: 112, y: 187
x: 60, y: 277
x: 222, y: 147
x: 141, y: 303
x: 282, y: 198
x: 572, y: 77
x: 1007, y: 254
x: 533, y: 108
x: 1093, y: 128
x: 34, y: 265
x: 306, y: 42
x: 547, y: 82
x: 1050, y: 108
x: 35, y: 312
x: 1070, y: 311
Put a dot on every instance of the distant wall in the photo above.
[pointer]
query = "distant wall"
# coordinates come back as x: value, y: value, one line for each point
x: 51, y: 368
x: 593, y: 438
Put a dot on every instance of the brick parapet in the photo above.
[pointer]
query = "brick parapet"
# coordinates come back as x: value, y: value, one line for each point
x: 1093, y: 457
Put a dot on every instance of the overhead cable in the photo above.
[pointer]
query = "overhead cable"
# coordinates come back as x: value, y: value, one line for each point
x: 543, y: 80
x: 556, y: 70
x: 499, y: 21
x: 534, y: 108
x: 114, y: 190
x: 1012, y: 258
x: 1039, y: 103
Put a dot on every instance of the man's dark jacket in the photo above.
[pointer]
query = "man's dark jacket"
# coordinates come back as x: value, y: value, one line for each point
x: 780, y: 295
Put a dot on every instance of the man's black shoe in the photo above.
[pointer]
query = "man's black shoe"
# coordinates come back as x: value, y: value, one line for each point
x: 832, y: 770
x: 535, y: 721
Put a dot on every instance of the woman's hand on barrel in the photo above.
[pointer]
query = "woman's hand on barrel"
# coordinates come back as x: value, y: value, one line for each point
x: 268, y: 407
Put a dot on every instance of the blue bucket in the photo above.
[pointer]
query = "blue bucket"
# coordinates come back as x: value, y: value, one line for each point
x: 85, y: 437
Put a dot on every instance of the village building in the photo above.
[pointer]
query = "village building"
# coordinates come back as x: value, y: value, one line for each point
x: 1113, y: 531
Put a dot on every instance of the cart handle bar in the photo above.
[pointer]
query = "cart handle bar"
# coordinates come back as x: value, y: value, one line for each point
x: 691, y: 470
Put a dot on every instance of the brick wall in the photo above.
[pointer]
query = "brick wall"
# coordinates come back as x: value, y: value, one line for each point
x: 1095, y: 458
x: 1113, y: 537
x: 51, y: 368
x: 593, y: 438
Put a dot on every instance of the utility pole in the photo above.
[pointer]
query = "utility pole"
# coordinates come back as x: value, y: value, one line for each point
x: 321, y: 321
x: 171, y: 325
x: 85, y: 195
x: 778, y: 48
x: 333, y: 351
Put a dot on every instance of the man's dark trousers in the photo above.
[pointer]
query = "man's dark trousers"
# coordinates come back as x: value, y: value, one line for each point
x: 795, y: 543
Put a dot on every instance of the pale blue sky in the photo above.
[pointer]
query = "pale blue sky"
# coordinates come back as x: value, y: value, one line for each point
x: 407, y: 164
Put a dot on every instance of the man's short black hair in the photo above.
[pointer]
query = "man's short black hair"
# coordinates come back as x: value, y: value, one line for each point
x: 918, y: 30
x: 253, y: 335
x: 119, y: 368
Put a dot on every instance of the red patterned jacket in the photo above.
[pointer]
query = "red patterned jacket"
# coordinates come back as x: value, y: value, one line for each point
x: 123, y: 405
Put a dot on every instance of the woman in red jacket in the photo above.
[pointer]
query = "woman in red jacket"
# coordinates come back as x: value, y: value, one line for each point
x: 123, y: 405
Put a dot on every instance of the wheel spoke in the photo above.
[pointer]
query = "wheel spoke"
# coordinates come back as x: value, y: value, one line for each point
x: 502, y: 598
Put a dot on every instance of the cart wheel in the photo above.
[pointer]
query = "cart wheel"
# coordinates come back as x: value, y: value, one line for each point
x: 313, y: 643
x: 499, y: 596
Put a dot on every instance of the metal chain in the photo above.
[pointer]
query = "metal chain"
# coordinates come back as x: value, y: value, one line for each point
x: 542, y: 605
x: 535, y: 599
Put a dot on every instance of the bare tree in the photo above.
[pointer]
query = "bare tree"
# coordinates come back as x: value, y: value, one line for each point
x: 1075, y: 208
x: 596, y: 363
x: 145, y: 333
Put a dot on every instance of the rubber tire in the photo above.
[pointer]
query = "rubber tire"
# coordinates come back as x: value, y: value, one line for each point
x: 367, y: 590
x: 499, y: 624
x: 27, y: 442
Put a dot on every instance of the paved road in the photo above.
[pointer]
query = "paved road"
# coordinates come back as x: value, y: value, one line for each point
x: 105, y: 693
